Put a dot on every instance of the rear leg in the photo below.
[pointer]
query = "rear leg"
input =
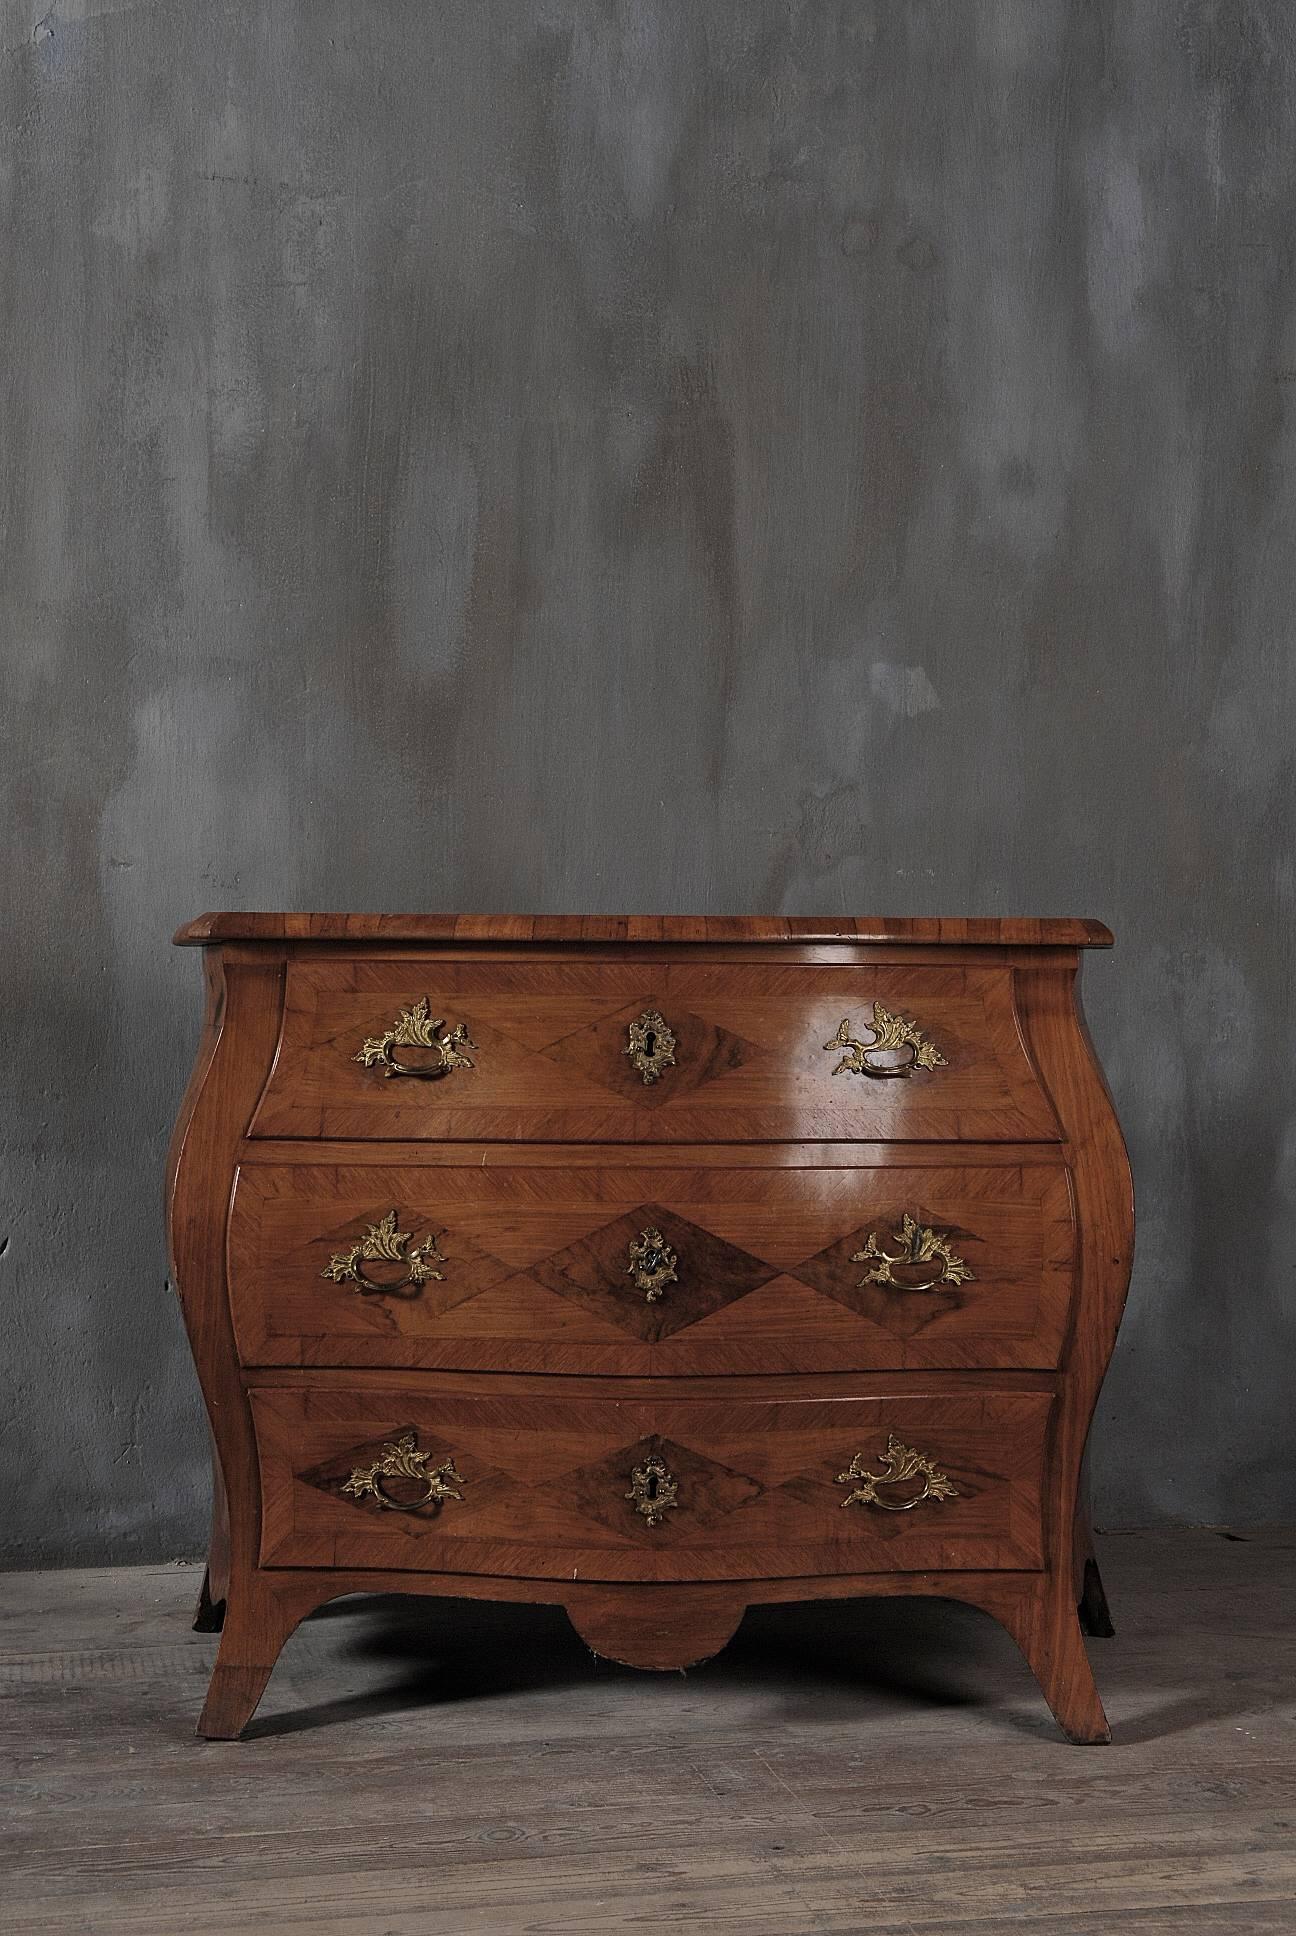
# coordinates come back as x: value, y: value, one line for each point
x: 1090, y: 1594
x: 209, y: 1616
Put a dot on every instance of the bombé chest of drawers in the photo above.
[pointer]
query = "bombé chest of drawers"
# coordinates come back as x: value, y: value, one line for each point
x: 649, y: 1267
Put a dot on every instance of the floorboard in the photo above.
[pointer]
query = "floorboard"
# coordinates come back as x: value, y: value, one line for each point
x: 440, y: 1768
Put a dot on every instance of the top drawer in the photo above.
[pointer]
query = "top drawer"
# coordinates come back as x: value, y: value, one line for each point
x: 665, y: 1051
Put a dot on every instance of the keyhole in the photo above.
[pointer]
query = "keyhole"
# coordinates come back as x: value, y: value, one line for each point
x: 652, y: 1485
x: 650, y: 1043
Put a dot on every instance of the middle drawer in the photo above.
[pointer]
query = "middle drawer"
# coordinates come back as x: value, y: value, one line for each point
x: 628, y: 1270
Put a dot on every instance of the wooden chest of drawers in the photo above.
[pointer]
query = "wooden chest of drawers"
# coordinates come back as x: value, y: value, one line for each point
x: 649, y: 1267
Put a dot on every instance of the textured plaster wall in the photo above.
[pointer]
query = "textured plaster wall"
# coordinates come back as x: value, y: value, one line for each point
x: 571, y: 454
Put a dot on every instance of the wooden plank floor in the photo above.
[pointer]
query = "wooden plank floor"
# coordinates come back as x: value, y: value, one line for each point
x: 425, y: 1768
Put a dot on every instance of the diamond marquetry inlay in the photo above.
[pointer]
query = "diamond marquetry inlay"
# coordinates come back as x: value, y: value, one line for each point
x: 703, y: 1053
x: 834, y: 1273
x: 483, y: 1485
x: 707, y: 1490
x: 466, y: 1271
x: 710, y: 1273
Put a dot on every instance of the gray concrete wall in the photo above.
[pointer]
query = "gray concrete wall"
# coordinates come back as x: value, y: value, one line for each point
x: 571, y: 454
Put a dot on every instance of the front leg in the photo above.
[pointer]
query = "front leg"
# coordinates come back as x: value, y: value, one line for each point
x: 257, y: 1623
x: 1042, y: 1619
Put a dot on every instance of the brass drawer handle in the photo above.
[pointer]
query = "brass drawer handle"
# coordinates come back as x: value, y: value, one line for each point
x: 384, y: 1243
x: 652, y: 1264
x: 418, y: 1028
x: 903, y: 1463
x: 654, y: 1489
x: 892, y: 1035
x: 651, y: 1047
x: 919, y: 1245
x: 403, y: 1460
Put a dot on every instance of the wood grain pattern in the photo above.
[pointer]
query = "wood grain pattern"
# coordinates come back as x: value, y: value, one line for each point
x: 239, y: 1033
x: 353, y: 1152
x: 536, y: 1268
x: 545, y: 1482
x: 1061, y: 1050
x: 746, y: 1396
x: 753, y: 1061
x: 572, y: 929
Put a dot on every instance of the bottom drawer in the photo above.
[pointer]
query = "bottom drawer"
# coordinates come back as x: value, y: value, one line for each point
x: 516, y: 1484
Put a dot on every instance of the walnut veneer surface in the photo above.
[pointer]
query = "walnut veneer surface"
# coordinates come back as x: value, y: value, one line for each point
x: 651, y: 1267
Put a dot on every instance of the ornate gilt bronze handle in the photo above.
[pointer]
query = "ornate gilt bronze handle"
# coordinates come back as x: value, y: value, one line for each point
x: 920, y: 1246
x: 403, y: 1460
x: 418, y: 1028
x: 651, y: 1047
x: 654, y: 1489
x: 894, y: 1036
x: 652, y: 1264
x: 384, y: 1243
x: 903, y: 1464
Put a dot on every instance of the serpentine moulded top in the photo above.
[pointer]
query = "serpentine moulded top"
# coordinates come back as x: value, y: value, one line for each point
x: 919, y: 931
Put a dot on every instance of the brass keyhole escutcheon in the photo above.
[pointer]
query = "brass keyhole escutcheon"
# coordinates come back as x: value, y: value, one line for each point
x: 652, y: 1264
x: 651, y: 1047
x: 654, y: 1489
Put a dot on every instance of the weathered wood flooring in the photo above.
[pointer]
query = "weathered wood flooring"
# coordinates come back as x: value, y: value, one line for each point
x: 424, y: 1768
